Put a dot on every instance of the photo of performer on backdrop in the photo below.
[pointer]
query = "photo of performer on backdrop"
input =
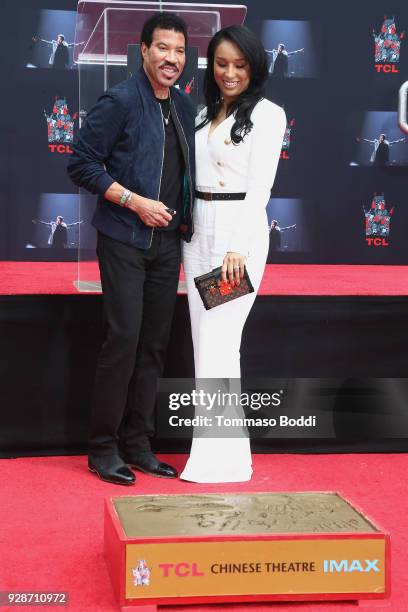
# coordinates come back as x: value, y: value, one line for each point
x: 48, y: 41
x: 58, y: 232
x: 380, y: 155
x: 59, y: 58
x: 377, y: 140
x: 279, y: 61
x: 290, y: 48
x: 288, y: 228
x: 54, y: 226
x: 275, y: 234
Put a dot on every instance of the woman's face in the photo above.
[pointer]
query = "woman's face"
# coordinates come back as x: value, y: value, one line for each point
x: 231, y: 71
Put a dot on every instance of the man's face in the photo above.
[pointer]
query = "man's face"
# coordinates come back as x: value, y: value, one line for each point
x: 164, y: 60
x: 59, y: 40
x: 280, y: 49
x: 382, y: 138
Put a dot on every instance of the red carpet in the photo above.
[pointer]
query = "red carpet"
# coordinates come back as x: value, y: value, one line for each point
x: 22, y: 278
x: 51, y: 521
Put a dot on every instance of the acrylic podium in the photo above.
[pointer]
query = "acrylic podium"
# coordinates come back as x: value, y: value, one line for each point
x: 105, y: 29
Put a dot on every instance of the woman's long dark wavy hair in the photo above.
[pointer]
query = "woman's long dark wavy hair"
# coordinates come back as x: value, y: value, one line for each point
x: 254, y: 53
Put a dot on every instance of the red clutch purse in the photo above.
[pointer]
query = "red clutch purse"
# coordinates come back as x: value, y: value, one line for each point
x: 214, y: 291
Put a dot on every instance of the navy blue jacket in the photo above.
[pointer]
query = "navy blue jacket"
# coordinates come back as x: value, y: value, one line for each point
x: 123, y: 140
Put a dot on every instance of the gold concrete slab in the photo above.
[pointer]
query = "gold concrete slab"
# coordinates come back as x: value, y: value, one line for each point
x: 238, y: 514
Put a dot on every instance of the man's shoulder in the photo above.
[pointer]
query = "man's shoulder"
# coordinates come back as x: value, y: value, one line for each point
x: 123, y: 88
x: 123, y: 92
x: 183, y: 99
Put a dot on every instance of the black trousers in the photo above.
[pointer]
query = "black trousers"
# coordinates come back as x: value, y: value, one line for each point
x: 139, y: 289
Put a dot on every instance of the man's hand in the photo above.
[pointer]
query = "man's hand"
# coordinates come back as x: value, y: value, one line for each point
x: 151, y: 212
x: 233, y: 268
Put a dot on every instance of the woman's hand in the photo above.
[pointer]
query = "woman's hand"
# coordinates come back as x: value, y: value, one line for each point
x: 233, y: 268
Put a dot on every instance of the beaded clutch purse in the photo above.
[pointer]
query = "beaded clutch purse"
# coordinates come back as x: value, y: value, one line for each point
x: 214, y: 291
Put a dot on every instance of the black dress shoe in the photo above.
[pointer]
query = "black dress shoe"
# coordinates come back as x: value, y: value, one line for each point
x: 149, y: 464
x: 112, y: 469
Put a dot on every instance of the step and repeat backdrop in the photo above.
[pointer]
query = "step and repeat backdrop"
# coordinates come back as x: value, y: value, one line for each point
x: 340, y: 194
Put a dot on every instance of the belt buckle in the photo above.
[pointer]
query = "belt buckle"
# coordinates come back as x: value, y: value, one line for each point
x: 207, y: 196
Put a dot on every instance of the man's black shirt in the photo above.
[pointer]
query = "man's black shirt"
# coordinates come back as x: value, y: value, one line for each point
x: 171, y: 189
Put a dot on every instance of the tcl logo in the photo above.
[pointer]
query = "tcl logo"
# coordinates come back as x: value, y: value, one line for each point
x: 377, y: 242
x: 386, y: 68
x: 59, y: 148
x: 182, y: 570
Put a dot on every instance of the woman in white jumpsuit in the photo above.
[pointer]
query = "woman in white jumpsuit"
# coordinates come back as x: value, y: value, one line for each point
x: 238, y: 144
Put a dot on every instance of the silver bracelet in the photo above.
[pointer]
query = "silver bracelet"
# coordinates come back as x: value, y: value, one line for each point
x: 128, y: 199
x: 126, y: 195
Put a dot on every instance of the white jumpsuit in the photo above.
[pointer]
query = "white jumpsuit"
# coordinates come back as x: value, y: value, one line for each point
x: 219, y: 226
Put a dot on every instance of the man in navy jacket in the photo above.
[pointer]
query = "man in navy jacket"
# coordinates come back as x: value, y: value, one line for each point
x: 136, y: 151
